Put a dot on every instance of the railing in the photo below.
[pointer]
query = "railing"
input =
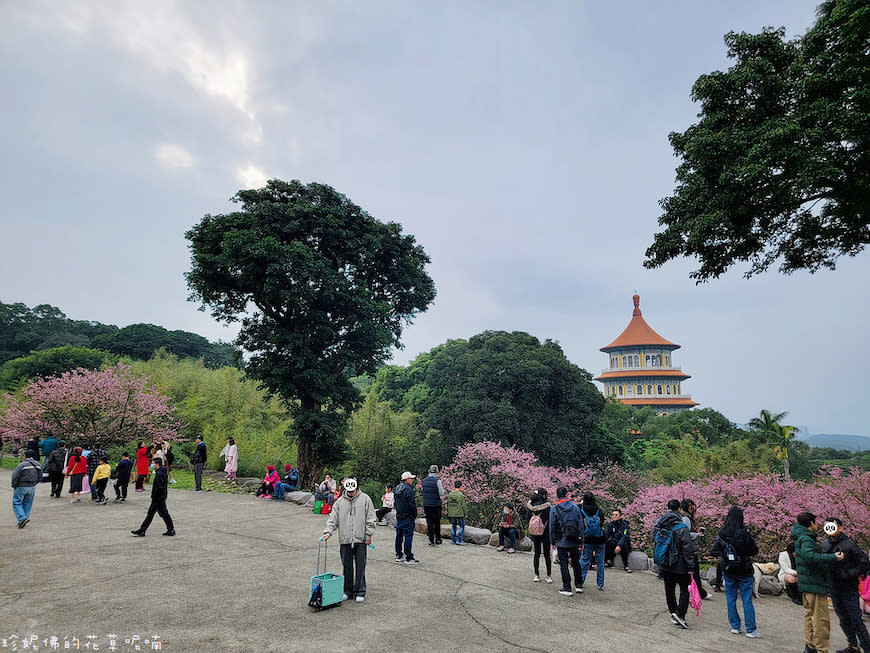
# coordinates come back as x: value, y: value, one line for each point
x: 650, y: 368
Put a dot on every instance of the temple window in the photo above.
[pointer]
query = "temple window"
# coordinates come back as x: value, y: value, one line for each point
x: 649, y: 389
x: 640, y: 389
x: 620, y: 390
x: 668, y: 388
x: 659, y: 389
x: 647, y: 360
x: 636, y: 360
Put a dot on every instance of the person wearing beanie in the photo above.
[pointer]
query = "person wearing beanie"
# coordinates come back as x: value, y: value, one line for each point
x: 267, y: 487
x: 288, y: 483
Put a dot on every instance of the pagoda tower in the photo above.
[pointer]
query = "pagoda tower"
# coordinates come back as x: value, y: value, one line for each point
x: 641, y: 371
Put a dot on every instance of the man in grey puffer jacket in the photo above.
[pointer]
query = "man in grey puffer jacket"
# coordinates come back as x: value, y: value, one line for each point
x: 353, y: 516
x: 25, y: 478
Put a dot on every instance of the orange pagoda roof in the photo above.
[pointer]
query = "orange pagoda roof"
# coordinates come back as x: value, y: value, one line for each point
x: 658, y: 401
x: 633, y: 373
x: 638, y: 332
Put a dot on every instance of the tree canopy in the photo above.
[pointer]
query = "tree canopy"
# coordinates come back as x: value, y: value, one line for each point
x: 778, y: 166
x: 322, y: 290
x: 140, y: 341
x: 51, y: 362
x: 503, y: 387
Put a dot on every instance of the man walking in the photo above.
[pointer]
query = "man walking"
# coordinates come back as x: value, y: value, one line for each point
x: 676, y: 565
x: 433, y: 499
x: 24, y: 481
x: 565, y: 534
x: 814, y: 581
x: 353, y: 515
x: 844, y: 583
x: 159, y: 491
x: 406, y: 513
x: 198, y: 460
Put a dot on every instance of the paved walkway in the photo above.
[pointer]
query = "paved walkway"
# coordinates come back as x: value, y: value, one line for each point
x: 235, y: 578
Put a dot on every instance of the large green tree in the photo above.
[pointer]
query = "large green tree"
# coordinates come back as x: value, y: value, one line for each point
x: 508, y: 388
x: 778, y: 166
x: 322, y: 290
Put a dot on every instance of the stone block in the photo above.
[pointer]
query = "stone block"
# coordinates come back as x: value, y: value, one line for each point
x: 638, y: 561
x: 475, y: 535
x: 769, y: 585
x: 298, y: 497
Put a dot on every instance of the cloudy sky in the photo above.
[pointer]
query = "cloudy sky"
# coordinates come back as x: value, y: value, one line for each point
x: 524, y: 145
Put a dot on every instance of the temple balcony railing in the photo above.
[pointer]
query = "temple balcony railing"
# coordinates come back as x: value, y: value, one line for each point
x: 649, y: 368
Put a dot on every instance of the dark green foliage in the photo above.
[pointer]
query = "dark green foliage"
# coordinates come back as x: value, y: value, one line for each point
x: 51, y: 362
x: 140, y: 341
x: 23, y: 330
x: 503, y: 387
x: 322, y: 290
x: 778, y: 166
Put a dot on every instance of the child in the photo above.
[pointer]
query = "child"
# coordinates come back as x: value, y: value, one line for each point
x: 122, y: 472
x: 101, y: 479
x: 457, y: 512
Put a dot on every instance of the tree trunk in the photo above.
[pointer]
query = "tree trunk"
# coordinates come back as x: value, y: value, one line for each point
x: 310, y: 466
x: 785, y: 467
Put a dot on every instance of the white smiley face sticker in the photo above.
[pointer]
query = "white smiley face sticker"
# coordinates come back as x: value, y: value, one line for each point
x: 830, y: 527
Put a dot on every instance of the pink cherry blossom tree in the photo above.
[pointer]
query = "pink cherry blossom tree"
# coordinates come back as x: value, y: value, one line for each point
x: 109, y: 407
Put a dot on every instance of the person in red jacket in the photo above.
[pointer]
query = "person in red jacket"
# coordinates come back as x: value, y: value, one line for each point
x: 142, y: 463
x: 76, y: 469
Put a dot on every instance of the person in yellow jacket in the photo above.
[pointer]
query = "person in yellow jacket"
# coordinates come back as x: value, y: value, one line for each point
x: 101, y: 479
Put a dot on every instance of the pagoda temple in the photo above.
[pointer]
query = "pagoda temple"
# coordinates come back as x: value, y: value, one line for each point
x: 641, y: 371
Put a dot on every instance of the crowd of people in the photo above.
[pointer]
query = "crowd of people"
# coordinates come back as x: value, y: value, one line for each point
x: 577, y: 536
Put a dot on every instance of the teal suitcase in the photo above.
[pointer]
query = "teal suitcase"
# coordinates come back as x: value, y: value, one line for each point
x: 325, y: 589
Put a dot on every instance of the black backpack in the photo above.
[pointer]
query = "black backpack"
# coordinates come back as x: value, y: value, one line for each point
x: 570, y: 525
x: 731, y: 560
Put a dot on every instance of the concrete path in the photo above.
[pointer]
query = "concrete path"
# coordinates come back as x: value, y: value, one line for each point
x: 235, y: 578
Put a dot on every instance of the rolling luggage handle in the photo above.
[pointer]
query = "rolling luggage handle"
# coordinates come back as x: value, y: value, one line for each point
x: 321, y: 543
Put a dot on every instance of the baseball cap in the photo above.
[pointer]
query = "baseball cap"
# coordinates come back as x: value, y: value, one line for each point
x: 407, y: 475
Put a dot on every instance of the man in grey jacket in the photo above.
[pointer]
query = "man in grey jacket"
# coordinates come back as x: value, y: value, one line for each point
x: 353, y: 516
x: 25, y: 478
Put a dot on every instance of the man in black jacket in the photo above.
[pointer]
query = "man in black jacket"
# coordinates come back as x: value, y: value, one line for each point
x: 24, y: 481
x: 844, y: 581
x: 678, y: 571
x: 198, y: 460
x: 617, y: 538
x: 159, y: 490
x: 406, y: 513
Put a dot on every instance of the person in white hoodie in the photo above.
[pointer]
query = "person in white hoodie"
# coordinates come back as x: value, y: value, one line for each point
x: 353, y: 516
x: 788, y: 576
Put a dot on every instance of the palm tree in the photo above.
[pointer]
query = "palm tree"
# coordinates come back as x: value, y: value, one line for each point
x: 779, y: 435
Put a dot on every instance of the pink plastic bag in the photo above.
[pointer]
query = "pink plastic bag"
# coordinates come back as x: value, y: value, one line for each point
x: 695, y: 598
x: 86, y: 485
x: 864, y: 588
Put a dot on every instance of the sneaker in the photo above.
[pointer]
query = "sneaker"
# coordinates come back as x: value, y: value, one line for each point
x: 754, y: 634
x: 382, y: 523
x: 565, y: 592
x: 460, y: 544
x: 400, y: 558
x: 549, y: 580
x: 736, y: 631
x: 511, y: 551
x: 138, y: 533
x: 601, y: 588
x: 23, y: 522
x: 116, y: 500
x: 628, y: 570
x: 344, y: 597
x: 708, y: 597
x: 360, y: 599
x: 679, y: 621
x: 438, y: 541
x: 123, y: 501
x: 431, y: 543
x: 172, y: 480
x: 412, y: 561
x: 673, y: 620
x: 501, y: 548
x: 536, y: 579
x: 197, y: 490
x: 579, y: 590
x: 170, y: 533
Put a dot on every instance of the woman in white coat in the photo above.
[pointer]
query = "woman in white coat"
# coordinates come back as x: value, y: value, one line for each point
x: 231, y: 454
x: 787, y: 574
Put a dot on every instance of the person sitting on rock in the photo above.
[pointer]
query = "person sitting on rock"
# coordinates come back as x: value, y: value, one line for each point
x: 509, y: 524
x: 388, y: 500
x: 267, y: 487
x: 788, y: 576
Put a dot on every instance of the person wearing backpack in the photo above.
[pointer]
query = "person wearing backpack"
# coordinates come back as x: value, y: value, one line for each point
x: 593, y: 539
x: 567, y: 537
x: 844, y: 584
x: 539, y: 528
x: 689, y: 510
x: 735, y: 547
x: 674, y: 553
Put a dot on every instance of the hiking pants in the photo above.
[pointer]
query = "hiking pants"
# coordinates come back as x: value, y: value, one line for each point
x: 848, y: 609
x: 672, y: 580
x: 817, y: 622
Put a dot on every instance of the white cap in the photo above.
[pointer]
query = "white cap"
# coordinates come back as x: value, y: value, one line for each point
x: 407, y: 475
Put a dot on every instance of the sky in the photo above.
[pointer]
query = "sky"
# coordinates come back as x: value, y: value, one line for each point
x: 523, y: 144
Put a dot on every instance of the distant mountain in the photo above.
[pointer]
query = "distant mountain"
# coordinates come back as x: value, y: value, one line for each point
x: 838, y: 441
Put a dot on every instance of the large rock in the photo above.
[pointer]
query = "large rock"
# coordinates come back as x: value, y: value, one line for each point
x: 248, y: 482
x: 390, y: 518
x: 474, y: 535
x: 310, y: 502
x: 420, y: 525
x: 638, y: 561
x: 300, y: 498
x: 769, y: 585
